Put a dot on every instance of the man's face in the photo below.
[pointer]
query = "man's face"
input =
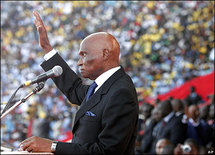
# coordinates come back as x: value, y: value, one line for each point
x: 156, y: 114
x: 193, y: 112
x: 160, y: 145
x: 91, y: 59
x: 146, y: 111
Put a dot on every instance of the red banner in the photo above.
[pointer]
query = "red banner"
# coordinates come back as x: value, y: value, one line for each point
x: 204, y: 86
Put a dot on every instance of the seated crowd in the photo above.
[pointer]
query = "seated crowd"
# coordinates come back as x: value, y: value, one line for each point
x: 176, y: 126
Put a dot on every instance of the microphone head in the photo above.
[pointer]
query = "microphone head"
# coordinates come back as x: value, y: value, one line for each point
x: 57, y: 70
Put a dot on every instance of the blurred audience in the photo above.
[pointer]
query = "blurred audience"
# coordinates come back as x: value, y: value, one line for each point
x: 163, y: 45
x: 171, y: 126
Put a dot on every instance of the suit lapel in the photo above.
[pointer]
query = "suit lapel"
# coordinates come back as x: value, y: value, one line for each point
x: 85, y: 106
x: 94, y: 100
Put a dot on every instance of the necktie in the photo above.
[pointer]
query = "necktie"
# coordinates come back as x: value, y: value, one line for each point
x: 91, y: 90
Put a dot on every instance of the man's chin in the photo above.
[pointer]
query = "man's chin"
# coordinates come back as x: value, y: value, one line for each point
x: 84, y: 75
x: 87, y: 77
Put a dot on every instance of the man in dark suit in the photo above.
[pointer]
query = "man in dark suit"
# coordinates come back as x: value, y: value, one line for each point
x: 171, y: 126
x: 106, y: 121
x: 150, y: 132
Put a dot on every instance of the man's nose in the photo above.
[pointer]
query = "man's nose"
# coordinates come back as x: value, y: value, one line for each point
x: 80, y: 62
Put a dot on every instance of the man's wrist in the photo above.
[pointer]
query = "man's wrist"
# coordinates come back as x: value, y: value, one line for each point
x: 48, y: 49
x: 54, y: 146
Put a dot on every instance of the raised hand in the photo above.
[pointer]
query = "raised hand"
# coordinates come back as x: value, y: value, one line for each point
x: 43, y: 37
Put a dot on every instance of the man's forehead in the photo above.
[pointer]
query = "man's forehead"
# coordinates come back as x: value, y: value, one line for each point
x: 87, y: 43
x: 95, y: 37
x: 93, y: 41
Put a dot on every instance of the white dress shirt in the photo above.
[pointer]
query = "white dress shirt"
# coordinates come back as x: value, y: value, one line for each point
x: 104, y: 76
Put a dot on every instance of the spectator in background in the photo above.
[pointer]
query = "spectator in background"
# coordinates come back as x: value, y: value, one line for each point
x: 145, y: 115
x: 163, y: 144
x: 211, y: 122
x: 204, y: 113
x: 193, y: 97
x: 186, y: 106
x: 171, y: 126
x: 178, y: 107
x: 197, y: 129
x: 146, y: 139
x: 211, y: 114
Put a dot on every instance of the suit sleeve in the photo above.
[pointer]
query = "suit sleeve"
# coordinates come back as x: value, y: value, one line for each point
x: 69, y: 83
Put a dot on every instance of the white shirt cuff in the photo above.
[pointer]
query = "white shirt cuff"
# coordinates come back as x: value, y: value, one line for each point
x: 50, y: 54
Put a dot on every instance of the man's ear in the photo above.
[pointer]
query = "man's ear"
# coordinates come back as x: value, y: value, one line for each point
x: 106, y: 53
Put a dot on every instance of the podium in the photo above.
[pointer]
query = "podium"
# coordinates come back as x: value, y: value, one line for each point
x: 5, y: 150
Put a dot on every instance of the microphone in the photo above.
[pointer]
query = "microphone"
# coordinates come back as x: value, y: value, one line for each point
x: 54, y: 72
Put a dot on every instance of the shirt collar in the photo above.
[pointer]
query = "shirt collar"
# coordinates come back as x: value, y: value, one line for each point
x: 104, y: 76
x: 178, y: 113
x: 168, y: 117
x: 193, y: 122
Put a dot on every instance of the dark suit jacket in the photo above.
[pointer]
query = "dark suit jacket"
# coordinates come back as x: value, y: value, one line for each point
x: 146, y: 142
x: 114, y: 128
x: 201, y: 133
x: 174, y: 130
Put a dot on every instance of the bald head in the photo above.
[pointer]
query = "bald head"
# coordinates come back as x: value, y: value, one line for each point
x: 98, y: 48
x: 177, y: 105
x: 165, y: 107
x: 104, y: 41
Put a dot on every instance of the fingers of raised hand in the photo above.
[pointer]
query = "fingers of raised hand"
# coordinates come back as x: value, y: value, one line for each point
x: 38, y: 22
x: 37, y: 16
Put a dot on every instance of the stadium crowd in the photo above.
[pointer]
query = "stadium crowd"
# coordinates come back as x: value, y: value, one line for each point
x: 163, y: 45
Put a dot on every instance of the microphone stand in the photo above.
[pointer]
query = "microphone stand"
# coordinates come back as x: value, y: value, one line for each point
x: 35, y: 90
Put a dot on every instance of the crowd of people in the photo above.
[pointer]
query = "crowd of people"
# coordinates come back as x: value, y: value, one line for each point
x: 163, y: 45
x: 176, y: 127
